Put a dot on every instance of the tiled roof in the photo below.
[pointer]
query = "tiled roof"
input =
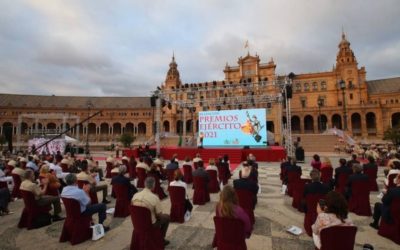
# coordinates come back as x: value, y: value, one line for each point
x: 390, y: 85
x: 11, y: 100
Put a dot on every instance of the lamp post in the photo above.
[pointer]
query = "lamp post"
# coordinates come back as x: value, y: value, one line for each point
x: 343, y: 87
x: 320, y: 103
x: 89, y: 106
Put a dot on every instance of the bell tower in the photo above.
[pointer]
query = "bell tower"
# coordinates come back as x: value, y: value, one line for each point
x: 345, y: 57
x: 173, y: 78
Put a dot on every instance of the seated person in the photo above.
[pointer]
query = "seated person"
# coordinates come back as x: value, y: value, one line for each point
x: 395, y: 170
x: 18, y: 171
x: 54, y: 183
x: 316, y: 186
x: 71, y: 191
x: 143, y: 165
x: 394, y: 157
x: 30, y: 185
x: 353, y: 161
x: 357, y: 176
x: 228, y: 206
x: 383, y: 209
x: 84, y: 175
x: 292, y: 168
x: 316, y: 162
x: 197, y: 158
x: 211, y: 165
x: 342, y: 169
x: 173, y: 165
x: 200, y: 171
x: 179, y: 183
x: 147, y: 199
x: 332, y: 211
x: 245, y: 183
x: 121, y: 179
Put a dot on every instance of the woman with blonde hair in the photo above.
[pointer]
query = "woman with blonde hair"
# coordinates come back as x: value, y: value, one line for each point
x: 54, y: 183
x: 228, y: 206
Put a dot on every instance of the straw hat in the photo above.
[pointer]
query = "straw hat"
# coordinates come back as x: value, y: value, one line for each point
x: 158, y: 162
x: 125, y: 158
x: 12, y: 163
x: 65, y: 161
x: 110, y: 160
x: 22, y: 159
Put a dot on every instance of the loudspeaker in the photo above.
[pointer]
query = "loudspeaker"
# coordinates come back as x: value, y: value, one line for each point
x: 153, y: 101
x: 8, y: 131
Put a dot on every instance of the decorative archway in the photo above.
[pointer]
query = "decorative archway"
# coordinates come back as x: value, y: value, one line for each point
x: 396, y: 120
x: 308, y: 124
x: 295, y: 124
x: 166, y: 126
x: 356, y: 123
x: 179, y: 126
x: 337, y: 121
x: 7, y: 126
x: 142, y: 128
x: 51, y: 125
x: 91, y: 128
x: 104, y: 129
x: 322, y: 122
x: 189, y: 126
x: 24, y: 128
x: 129, y: 128
x: 371, y: 123
x: 117, y: 128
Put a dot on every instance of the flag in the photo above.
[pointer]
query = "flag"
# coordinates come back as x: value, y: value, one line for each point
x: 246, y: 45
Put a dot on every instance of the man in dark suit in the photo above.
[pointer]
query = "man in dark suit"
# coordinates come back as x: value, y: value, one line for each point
x: 315, y: 187
x: 173, y: 165
x: 353, y: 161
x: 201, y: 172
x: 357, y: 176
x: 292, y: 167
x: 383, y: 209
x: 245, y: 183
x: 123, y: 180
x: 342, y: 169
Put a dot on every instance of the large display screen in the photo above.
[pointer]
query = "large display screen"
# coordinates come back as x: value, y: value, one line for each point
x: 233, y: 128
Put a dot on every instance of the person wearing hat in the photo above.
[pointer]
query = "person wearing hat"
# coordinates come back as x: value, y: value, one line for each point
x: 143, y: 165
x: 244, y: 183
x: 23, y: 161
x: 18, y: 171
x: 41, y: 199
x: 85, y: 175
x: 11, y: 164
x: 357, y: 176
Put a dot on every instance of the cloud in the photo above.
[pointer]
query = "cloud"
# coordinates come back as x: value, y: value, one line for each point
x: 123, y: 48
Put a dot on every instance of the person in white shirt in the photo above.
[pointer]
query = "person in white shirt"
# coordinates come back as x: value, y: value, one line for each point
x: 197, y: 158
x: 178, y: 182
x: 143, y: 165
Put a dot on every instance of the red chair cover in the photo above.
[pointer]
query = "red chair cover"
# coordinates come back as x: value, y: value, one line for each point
x: 132, y: 169
x: 17, y: 183
x: 10, y: 169
x: 200, y: 194
x: 326, y: 175
x: 109, y: 167
x: 338, y: 237
x: 64, y: 167
x: 171, y: 174
x: 92, y: 194
x: 141, y: 174
x: 144, y: 235
x: 76, y: 227
x: 31, y: 210
x: 223, y: 173
x: 157, y: 188
x: 372, y: 175
x: 359, y: 200
x: 122, y: 200
x: 392, y: 231
x: 391, y: 181
x: 298, y: 192
x: 213, y: 184
x: 341, y: 183
x: 3, y: 184
x: 229, y: 234
x: 177, y: 197
x: 187, y: 174
x: 246, y: 201
x: 311, y: 214
x: 292, y: 178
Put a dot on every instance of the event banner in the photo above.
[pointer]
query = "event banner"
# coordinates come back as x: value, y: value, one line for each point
x: 233, y: 128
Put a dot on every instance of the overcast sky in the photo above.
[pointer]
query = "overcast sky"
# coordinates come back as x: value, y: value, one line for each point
x: 123, y: 48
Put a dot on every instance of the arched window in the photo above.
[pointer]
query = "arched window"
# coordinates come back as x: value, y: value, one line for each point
x: 323, y: 85
x: 306, y: 86
x: 315, y: 86
x: 298, y: 87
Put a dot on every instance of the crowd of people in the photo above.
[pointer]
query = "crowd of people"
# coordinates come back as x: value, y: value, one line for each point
x: 52, y: 177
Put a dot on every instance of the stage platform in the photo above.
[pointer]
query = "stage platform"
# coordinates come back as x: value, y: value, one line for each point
x: 236, y: 155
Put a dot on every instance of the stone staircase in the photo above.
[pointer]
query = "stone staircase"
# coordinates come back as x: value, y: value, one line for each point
x: 316, y: 142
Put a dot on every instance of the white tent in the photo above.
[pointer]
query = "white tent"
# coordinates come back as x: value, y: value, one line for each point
x: 70, y: 139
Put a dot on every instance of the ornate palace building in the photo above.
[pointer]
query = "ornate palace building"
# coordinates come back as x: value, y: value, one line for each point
x: 341, y: 98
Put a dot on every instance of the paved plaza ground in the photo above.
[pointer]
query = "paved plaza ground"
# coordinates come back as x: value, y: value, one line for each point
x: 273, y: 213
